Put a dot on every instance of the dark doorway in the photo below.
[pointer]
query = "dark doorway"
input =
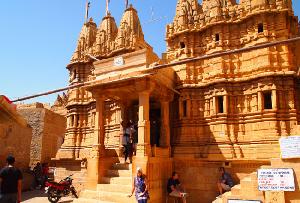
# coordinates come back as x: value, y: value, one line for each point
x: 155, y: 124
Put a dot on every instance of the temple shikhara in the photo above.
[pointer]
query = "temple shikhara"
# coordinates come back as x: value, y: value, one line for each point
x: 193, y: 116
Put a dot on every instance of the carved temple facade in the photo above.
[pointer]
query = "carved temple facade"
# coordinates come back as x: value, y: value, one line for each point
x: 193, y: 117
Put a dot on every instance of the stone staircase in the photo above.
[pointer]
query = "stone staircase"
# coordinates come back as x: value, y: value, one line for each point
x: 247, y: 189
x: 114, y: 187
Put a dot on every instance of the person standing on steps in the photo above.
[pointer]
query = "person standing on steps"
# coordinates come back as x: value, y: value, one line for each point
x: 140, y: 187
x: 129, y: 144
x: 11, y: 182
x: 125, y: 140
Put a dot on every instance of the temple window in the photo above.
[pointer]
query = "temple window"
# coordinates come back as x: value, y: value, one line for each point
x: 260, y: 28
x: 267, y: 100
x: 217, y: 37
x: 220, y: 104
x: 182, y: 45
x: 184, y: 105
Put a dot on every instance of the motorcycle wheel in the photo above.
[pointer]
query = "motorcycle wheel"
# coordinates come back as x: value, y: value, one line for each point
x: 53, y: 196
x: 74, y: 193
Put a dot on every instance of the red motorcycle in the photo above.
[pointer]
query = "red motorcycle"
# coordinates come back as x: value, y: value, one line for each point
x: 56, y: 191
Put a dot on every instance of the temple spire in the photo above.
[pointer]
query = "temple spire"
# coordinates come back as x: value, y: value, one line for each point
x: 107, y: 7
x: 87, y: 6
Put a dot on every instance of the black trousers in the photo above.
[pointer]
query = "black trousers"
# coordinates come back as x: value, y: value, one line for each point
x: 128, y: 151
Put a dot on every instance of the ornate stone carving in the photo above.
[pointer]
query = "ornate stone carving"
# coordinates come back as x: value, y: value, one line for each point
x: 85, y: 42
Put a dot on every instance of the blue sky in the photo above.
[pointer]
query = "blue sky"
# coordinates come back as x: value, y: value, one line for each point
x: 38, y: 37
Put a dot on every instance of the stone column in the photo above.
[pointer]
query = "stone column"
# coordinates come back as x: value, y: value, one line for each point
x: 225, y: 103
x: 68, y: 121
x: 97, y: 147
x: 180, y: 108
x: 274, y: 99
x: 260, y: 101
x: 188, y: 107
x: 75, y: 120
x: 143, y: 148
x: 165, y: 135
x: 215, y: 106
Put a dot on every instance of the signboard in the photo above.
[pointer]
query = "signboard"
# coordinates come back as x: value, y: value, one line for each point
x: 119, y: 61
x: 276, y: 179
x: 290, y: 147
x: 243, y: 201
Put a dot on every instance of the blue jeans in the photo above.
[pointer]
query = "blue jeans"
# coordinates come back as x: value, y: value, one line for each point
x: 142, y: 201
x: 8, y: 198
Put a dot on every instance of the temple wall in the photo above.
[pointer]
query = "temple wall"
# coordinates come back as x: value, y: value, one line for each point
x: 246, y: 127
x: 65, y: 168
x: 199, y: 177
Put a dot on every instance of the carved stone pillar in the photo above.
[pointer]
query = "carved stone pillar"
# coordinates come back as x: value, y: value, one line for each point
x: 215, y: 107
x: 143, y: 148
x: 274, y: 99
x: 97, y: 147
x: 259, y: 100
x: 75, y: 121
x: 225, y: 103
x: 165, y: 127
x: 180, y: 108
x: 188, y: 108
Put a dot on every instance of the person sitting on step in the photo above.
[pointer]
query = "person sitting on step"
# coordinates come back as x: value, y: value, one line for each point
x: 175, y: 188
x: 225, y: 181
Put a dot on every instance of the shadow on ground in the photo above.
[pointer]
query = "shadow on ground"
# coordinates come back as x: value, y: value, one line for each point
x: 39, y: 196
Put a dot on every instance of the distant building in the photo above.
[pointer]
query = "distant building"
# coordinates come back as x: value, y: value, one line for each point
x: 48, y: 130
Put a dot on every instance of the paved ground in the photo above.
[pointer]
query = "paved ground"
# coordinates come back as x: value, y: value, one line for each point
x: 38, y: 196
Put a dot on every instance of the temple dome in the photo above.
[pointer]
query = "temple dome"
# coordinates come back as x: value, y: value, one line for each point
x: 87, y: 37
x: 130, y: 34
x: 106, y: 35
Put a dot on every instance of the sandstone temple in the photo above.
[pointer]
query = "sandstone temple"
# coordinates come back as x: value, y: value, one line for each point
x: 193, y: 116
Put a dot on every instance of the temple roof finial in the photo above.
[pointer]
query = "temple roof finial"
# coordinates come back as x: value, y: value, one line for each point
x: 87, y: 6
x: 107, y: 7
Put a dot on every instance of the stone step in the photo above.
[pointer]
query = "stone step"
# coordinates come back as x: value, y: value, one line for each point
x: 116, y: 180
x: 118, y: 173
x: 236, y: 190
x: 247, y: 183
x: 114, y: 188
x: 121, y: 166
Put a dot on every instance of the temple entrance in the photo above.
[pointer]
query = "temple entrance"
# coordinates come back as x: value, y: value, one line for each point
x: 155, y: 120
x: 155, y: 123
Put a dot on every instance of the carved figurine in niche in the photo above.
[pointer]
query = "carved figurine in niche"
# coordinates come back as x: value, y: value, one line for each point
x: 102, y: 41
x: 72, y: 75
x: 124, y: 35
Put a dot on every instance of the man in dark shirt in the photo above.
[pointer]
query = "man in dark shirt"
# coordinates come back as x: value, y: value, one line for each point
x: 11, y: 182
x: 174, y: 187
x: 225, y: 182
